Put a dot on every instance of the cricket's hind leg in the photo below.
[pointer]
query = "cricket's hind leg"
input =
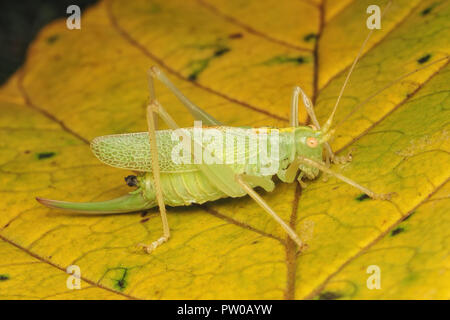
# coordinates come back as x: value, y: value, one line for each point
x: 151, y: 109
x: 197, y: 112
x: 155, y: 108
x: 225, y: 179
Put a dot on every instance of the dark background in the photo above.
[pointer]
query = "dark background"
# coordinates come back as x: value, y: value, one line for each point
x: 20, y: 21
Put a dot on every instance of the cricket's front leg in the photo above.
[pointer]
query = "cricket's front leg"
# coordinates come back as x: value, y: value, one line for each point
x: 325, y: 169
x: 342, y: 159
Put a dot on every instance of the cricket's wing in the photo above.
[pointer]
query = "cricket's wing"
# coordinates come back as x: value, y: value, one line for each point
x: 132, y: 151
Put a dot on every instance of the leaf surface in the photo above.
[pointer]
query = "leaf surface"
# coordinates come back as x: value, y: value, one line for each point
x: 239, y: 61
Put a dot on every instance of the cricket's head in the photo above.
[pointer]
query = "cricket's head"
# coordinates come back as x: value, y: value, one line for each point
x: 309, y: 142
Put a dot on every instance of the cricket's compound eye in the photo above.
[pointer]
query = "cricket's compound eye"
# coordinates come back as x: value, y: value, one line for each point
x: 313, y: 127
x: 312, y: 142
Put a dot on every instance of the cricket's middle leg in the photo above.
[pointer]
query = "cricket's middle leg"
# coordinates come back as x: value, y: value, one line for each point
x: 256, y: 197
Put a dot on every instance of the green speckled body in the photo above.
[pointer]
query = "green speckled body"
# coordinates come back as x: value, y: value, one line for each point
x: 184, y: 183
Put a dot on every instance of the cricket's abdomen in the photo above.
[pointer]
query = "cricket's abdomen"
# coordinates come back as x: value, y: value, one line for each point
x: 182, y: 189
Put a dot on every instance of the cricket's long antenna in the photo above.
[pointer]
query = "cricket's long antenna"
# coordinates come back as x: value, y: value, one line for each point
x: 373, y: 95
x: 327, y: 124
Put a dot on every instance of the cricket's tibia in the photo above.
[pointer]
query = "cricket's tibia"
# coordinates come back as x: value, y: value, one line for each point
x: 127, y: 203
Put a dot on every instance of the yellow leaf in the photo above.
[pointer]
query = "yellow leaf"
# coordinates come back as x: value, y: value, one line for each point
x: 412, y: 257
x: 239, y: 61
x: 25, y: 276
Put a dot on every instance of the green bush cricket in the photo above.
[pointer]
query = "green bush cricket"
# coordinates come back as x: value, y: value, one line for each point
x: 160, y: 181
